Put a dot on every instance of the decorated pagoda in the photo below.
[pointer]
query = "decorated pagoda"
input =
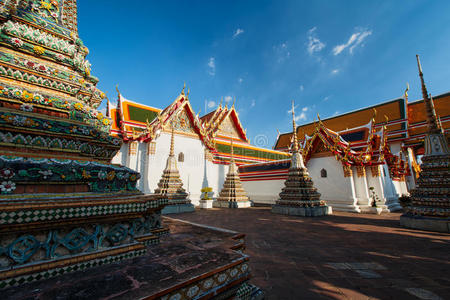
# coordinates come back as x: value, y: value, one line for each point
x: 299, y: 196
x: 170, y: 187
x: 63, y: 205
x: 430, y: 208
x: 232, y: 194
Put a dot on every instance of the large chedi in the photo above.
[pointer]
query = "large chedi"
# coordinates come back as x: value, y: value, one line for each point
x: 63, y: 206
x: 430, y: 209
x: 170, y: 187
x: 232, y: 194
x: 299, y: 196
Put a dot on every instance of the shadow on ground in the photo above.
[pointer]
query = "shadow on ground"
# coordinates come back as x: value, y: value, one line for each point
x: 343, y: 256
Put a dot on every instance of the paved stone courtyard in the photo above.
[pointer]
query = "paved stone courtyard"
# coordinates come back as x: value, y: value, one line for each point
x: 343, y: 256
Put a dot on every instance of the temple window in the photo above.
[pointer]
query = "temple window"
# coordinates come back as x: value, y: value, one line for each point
x: 181, y: 157
x: 151, y: 148
x: 323, y: 173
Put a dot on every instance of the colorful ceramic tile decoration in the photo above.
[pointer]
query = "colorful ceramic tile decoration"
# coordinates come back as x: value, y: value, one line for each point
x: 170, y: 188
x: 63, y: 205
x: 299, y: 196
x: 430, y: 207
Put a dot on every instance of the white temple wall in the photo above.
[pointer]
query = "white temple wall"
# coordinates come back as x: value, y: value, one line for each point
x: 336, y: 189
x: 192, y: 170
x: 263, y: 191
x: 217, y: 177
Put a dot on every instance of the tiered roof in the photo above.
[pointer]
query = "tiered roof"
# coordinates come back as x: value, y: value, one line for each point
x: 134, y: 121
x: 403, y: 121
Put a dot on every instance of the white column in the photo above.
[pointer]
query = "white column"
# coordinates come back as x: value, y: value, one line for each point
x: 361, y: 191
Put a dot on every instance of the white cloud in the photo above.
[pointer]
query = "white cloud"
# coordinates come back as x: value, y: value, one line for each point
x: 314, y: 44
x: 211, y: 104
x: 228, y: 99
x: 305, y: 109
x: 282, y: 52
x: 212, y: 66
x: 253, y: 103
x: 334, y: 72
x: 240, y: 80
x: 302, y: 88
x: 336, y: 113
x: 301, y: 117
x: 238, y: 31
x: 354, y: 41
x: 326, y: 98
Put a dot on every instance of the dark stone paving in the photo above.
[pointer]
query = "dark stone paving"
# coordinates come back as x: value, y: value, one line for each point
x: 189, y: 251
x: 343, y: 256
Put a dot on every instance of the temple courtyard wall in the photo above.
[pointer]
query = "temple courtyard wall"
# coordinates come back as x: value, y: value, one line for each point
x: 344, y: 192
x: 195, y: 171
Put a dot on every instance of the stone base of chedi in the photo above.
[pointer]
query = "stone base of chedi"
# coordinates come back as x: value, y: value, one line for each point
x: 191, y: 267
x: 430, y: 209
x: 170, y: 187
x: 299, y: 197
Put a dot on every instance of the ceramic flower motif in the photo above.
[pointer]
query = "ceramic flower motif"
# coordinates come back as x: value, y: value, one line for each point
x: 78, y: 106
x: 6, y: 173
x: 102, y: 175
x: 17, y: 42
x: 19, y: 120
x: 46, y: 173
x: 7, y: 187
x: 59, y: 57
x: 26, y: 107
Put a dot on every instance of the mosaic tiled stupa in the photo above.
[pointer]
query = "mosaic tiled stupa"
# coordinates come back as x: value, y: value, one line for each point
x: 299, y: 197
x: 430, y: 209
x: 232, y: 194
x: 170, y: 187
x: 63, y: 206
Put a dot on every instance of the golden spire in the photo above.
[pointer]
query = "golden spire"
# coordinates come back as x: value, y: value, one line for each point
x: 172, y: 141
x: 294, y: 128
x: 234, y: 102
x: 432, y: 122
x: 184, y: 86
x: 232, y: 151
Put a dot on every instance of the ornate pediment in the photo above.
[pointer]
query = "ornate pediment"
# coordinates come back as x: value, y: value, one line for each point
x: 182, y: 122
x: 228, y: 128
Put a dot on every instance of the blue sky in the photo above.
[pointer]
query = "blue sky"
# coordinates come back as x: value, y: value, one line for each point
x: 329, y: 56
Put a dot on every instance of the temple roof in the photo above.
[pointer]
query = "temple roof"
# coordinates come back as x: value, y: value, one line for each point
x: 134, y: 121
x: 402, y: 119
x: 224, y: 122
x: 417, y: 116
